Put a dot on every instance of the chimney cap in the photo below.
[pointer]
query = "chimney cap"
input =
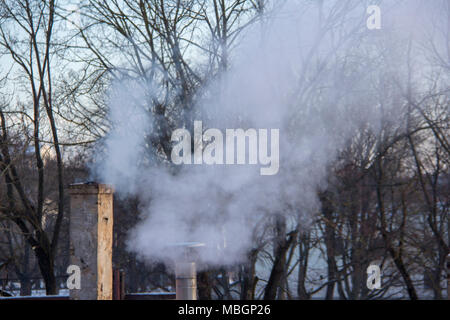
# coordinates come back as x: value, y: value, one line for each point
x: 187, y: 244
x: 89, y: 187
x: 185, y: 251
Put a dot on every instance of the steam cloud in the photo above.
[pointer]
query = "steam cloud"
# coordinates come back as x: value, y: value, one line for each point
x: 290, y: 73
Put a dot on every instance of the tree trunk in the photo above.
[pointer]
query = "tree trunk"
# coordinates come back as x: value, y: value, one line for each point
x: 204, y: 285
x: 47, y: 270
x: 330, y: 242
x: 25, y: 286
x: 248, y: 277
x: 303, y: 249
x: 396, y: 256
x: 279, y: 266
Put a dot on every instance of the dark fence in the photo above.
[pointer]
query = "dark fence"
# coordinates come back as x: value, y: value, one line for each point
x: 118, y: 290
x: 128, y: 296
x: 12, y: 286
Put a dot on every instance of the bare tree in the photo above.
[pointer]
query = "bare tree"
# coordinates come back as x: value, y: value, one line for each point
x: 26, y: 33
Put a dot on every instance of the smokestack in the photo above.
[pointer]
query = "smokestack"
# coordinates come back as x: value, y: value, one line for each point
x: 91, y: 237
x: 186, y: 281
x: 186, y: 271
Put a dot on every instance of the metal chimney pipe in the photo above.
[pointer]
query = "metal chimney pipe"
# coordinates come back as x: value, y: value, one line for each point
x: 186, y: 271
x: 186, y: 281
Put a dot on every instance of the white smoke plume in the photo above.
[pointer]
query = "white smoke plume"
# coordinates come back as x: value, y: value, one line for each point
x: 302, y: 70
